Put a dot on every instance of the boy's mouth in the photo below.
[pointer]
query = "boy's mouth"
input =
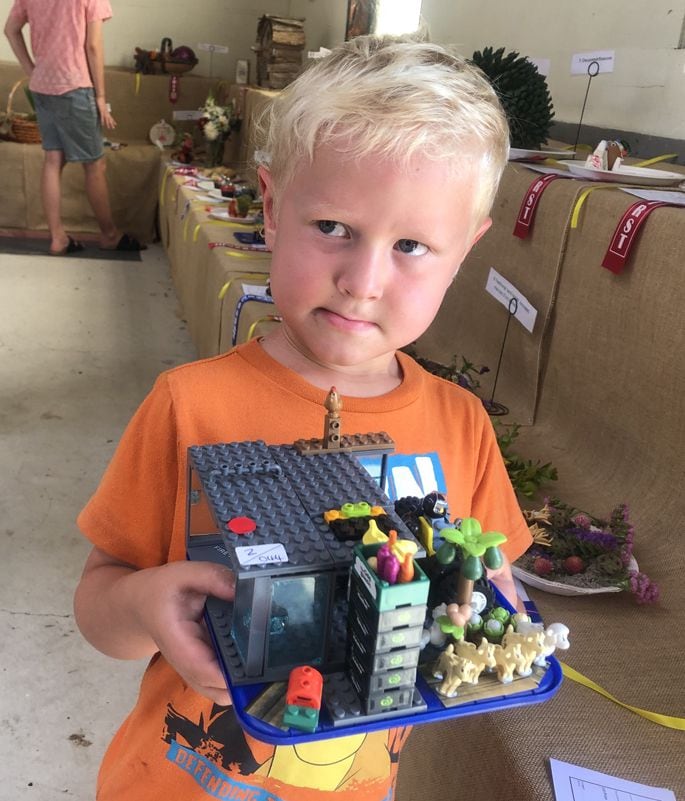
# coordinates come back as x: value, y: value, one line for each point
x: 346, y: 323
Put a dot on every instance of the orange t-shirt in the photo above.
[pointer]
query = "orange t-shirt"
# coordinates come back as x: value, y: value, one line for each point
x: 176, y: 744
x: 58, y: 41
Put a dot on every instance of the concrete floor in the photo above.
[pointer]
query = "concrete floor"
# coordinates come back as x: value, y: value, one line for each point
x: 81, y: 343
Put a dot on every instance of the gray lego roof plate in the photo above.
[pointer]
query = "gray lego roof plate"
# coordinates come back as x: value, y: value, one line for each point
x: 285, y: 494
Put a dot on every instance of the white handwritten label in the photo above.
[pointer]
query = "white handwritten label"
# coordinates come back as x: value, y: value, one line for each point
x: 504, y: 291
x: 592, y: 63
x: 261, y: 555
x: 187, y: 115
x: 363, y: 572
x: 212, y: 48
x: 255, y: 289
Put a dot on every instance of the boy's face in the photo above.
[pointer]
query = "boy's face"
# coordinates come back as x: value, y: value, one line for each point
x: 363, y: 252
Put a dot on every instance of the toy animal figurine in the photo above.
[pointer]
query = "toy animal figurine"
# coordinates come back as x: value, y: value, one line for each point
x: 454, y: 671
x: 555, y: 636
x: 480, y: 657
x: 506, y: 659
x: 530, y: 646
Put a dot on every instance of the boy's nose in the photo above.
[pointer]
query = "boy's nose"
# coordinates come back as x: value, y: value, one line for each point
x: 363, y: 274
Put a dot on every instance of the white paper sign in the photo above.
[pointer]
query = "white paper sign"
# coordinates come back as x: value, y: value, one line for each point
x: 255, y: 289
x: 676, y: 198
x: 574, y: 783
x: 212, y: 48
x: 187, y: 115
x: 504, y: 291
x: 592, y: 63
x: 273, y: 554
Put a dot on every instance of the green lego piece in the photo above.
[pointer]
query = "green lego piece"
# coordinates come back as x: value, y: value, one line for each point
x: 304, y: 718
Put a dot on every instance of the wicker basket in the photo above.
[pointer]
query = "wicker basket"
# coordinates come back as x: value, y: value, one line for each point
x: 22, y: 128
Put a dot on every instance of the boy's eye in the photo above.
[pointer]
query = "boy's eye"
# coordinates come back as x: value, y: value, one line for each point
x: 411, y: 247
x: 331, y: 228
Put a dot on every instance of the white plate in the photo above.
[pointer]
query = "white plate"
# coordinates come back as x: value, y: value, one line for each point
x: 519, y: 154
x: 222, y: 214
x: 559, y: 588
x: 640, y: 176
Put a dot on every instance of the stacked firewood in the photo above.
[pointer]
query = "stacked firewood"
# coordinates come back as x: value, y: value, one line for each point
x: 280, y: 42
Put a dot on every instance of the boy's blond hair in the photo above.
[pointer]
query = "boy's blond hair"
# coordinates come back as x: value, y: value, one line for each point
x: 394, y: 98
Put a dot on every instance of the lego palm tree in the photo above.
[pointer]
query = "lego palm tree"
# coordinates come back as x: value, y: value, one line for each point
x: 477, y: 549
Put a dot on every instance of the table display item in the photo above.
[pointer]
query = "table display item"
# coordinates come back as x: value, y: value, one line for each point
x: 279, y: 48
x: 22, y: 126
x: 330, y: 576
x: 523, y: 92
x: 626, y: 174
x: 161, y: 133
x: 574, y: 553
x: 167, y: 59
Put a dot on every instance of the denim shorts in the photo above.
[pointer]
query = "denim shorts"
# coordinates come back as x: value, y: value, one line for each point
x: 70, y: 123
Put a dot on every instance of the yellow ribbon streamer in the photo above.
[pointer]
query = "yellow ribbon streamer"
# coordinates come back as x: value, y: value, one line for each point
x: 269, y: 318
x: 162, y: 189
x: 655, y: 160
x: 137, y: 83
x: 581, y: 199
x: 669, y: 721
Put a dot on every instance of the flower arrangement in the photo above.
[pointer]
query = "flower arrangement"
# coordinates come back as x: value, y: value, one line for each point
x: 571, y: 547
x: 217, y: 123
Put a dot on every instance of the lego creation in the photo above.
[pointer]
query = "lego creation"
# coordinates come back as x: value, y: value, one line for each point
x: 331, y: 583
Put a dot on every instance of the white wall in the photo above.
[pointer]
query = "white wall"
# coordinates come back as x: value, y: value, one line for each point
x: 645, y: 93
x: 143, y: 23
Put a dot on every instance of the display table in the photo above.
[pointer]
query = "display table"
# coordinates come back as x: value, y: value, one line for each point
x: 210, y: 280
x: 131, y: 177
x: 137, y: 101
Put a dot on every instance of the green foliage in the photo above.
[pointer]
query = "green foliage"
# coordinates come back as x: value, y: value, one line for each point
x: 523, y: 93
x: 526, y: 476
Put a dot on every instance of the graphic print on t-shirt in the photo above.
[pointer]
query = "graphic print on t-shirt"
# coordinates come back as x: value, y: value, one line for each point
x: 227, y: 764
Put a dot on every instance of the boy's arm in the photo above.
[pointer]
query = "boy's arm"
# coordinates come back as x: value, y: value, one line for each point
x: 130, y: 614
x: 504, y: 580
x: 95, y: 53
x: 13, y: 32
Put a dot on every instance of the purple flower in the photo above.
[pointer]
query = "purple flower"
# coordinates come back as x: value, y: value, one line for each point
x: 582, y: 520
x: 642, y: 587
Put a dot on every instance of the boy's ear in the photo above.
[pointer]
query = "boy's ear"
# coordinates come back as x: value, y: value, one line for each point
x: 485, y: 225
x: 266, y: 188
x: 483, y: 228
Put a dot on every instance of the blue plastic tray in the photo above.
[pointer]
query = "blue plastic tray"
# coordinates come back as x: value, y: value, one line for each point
x: 244, y: 695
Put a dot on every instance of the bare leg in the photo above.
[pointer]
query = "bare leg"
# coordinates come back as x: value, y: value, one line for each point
x: 98, y: 197
x: 51, y: 190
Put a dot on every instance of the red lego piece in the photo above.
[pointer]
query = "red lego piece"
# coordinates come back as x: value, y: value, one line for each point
x: 305, y: 687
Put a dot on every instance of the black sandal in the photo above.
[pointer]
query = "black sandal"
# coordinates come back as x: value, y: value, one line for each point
x: 72, y: 247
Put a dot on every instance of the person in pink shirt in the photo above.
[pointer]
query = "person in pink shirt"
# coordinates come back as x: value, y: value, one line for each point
x: 67, y: 79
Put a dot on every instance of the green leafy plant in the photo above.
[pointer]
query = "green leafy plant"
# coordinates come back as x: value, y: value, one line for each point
x: 526, y: 476
x: 523, y: 93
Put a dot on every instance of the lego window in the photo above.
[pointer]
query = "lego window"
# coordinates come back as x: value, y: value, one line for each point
x: 297, y: 623
x: 200, y: 519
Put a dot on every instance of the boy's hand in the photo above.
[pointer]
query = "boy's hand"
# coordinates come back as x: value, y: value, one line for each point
x: 173, y: 597
x: 503, y: 579
x: 131, y: 614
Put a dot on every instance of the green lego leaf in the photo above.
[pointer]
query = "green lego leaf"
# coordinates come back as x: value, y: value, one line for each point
x: 447, y: 627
